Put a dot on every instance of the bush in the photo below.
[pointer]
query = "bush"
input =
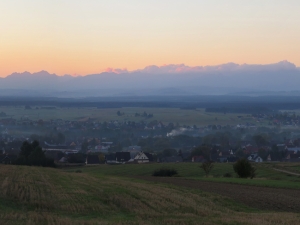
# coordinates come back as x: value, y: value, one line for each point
x: 165, y: 172
x: 227, y: 175
x: 244, y: 169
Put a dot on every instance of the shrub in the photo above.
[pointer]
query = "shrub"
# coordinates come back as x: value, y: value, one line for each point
x: 227, y: 175
x: 165, y: 172
x: 244, y: 169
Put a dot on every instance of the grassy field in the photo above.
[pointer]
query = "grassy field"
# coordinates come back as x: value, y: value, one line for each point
x: 183, y: 117
x: 32, y: 195
x: 266, y: 175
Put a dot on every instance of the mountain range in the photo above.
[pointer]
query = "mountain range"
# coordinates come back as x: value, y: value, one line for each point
x: 168, y: 80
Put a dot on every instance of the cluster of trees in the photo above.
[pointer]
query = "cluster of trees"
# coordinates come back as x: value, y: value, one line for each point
x: 3, y: 114
x: 31, y: 154
x: 243, y: 168
x: 53, y: 137
x: 145, y: 115
x: 119, y: 113
x: 241, y: 109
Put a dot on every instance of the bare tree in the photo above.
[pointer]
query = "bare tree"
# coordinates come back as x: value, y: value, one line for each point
x: 207, y: 167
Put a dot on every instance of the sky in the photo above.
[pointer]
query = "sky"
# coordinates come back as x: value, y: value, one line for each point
x: 86, y: 37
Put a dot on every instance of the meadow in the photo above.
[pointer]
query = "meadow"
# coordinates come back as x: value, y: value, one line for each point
x: 166, y: 115
x: 111, y: 195
x: 266, y: 175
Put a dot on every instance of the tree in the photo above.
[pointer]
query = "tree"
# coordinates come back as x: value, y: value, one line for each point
x: 201, y: 151
x: 207, y: 167
x: 3, y: 114
x: 244, y: 169
x: 101, y: 158
x: 31, y: 154
x: 262, y: 153
x: 161, y: 143
x: 60, y: 138
x: 169, y: 152
x: 180, y: 153
x: 261, y: 139
x: 84, y: 146
x: 240, y: 153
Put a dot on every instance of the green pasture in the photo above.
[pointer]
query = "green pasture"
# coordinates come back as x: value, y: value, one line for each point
x: 266, y: 175
x: 167, y: 115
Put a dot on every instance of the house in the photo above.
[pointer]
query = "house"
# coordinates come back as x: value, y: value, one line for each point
x: 56, y: 155
x: 73, y: 145
x: 252, y: 156
x: 63, y: 160
x: 68, y: 152
x: 150, y: 156
x: 141, y: 158
x: 110, y: 159
x: 92, y: 160
x: 258, y: 159
x: 232, y: 159
x: 48, y: 146
x: 294, y: 149
x: 292, y: 157
x: 106, y: 145
x: 273, y: 157
x: 122, y: 157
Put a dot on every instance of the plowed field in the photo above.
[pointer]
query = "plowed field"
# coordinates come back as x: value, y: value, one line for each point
x: 265, y: 198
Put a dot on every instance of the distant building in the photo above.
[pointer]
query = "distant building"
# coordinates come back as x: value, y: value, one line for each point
x: 110, y: 159
x: 8, y: 159
x: 141, y: 158
x: 92, y: 160
x: 122, y: 157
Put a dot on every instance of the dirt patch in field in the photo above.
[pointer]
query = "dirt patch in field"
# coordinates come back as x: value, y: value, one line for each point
x: 265, y: 198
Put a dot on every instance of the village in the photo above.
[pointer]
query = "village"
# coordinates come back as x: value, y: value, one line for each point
x: 90, y: 142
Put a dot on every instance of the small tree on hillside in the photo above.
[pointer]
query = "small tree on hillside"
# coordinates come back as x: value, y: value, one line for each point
x: 207, y: 167
x: 244, y: 169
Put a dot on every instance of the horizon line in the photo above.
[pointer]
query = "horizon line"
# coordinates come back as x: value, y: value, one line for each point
x: 126, y: 71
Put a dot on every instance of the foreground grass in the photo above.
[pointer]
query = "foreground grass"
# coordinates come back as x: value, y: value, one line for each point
x: 266, y: 175
x: 32, y: 195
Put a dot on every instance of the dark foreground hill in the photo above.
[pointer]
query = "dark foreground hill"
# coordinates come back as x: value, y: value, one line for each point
x: 34, y: 195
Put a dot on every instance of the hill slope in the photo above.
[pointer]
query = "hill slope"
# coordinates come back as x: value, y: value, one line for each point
x: 32, y: 195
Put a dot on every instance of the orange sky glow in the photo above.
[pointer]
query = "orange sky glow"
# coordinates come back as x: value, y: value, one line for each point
x: 79, y: 38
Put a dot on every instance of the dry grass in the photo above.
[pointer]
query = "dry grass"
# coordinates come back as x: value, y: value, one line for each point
x: 31, y: 195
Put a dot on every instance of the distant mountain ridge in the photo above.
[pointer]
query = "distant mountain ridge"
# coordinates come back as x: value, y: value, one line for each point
x: 165, y: 80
